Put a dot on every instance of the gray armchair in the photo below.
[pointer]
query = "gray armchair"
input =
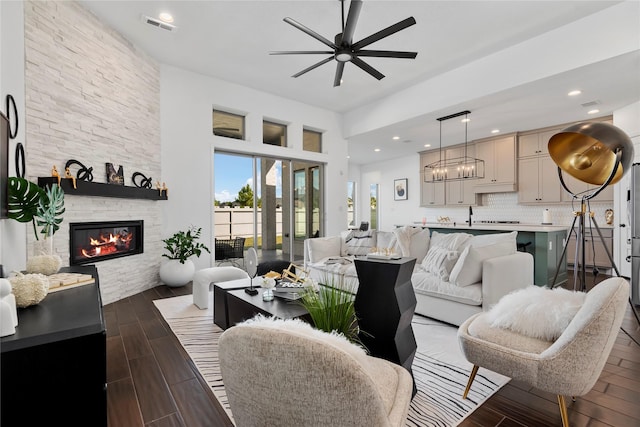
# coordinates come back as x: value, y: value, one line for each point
x: 568, y: 366
x: 285, y: 373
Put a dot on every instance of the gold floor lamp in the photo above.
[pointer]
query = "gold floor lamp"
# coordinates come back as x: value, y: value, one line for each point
x: 599, y: 154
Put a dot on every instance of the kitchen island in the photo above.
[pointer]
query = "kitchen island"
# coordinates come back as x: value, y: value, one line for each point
x: 544, y: 242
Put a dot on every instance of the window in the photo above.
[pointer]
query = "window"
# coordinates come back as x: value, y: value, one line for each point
x: 374, y: 191
x: 228, y: 124
x: 274, y: 134
x: 311, y: 141
x: 351, y: 204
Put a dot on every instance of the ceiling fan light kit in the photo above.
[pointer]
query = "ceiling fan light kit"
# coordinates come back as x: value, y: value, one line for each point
x: 345, y: 50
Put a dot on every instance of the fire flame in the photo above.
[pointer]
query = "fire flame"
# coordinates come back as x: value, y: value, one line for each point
x: 108, y: 244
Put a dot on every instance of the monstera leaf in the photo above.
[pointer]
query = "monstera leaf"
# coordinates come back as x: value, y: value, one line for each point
x: 50, y: 210
x: 24, y: 197
x: 30, y: 203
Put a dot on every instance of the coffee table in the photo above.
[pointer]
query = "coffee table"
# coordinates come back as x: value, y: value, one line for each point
x: 233, y: 305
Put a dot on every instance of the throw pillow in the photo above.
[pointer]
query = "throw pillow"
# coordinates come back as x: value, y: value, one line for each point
x: 360, y: 242
x: 323, y: 247
x: 491, y: 239
x: 387, y: 240
x: 537, y: 312
x: 468, y: 268
x: 419, y: 245
x: 440, y: 261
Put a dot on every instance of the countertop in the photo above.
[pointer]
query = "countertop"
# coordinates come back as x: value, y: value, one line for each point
x: 497, y: 227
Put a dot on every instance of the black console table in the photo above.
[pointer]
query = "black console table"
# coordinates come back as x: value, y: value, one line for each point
x: 54, y: 367
x: 385, y: 303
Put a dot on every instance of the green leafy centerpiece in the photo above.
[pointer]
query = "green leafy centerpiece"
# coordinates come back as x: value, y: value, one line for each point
x: 44, y: 208
x: 331, y: 308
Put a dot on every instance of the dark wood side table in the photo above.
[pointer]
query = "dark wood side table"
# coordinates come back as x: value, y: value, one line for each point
x: 385, y: 303
x: 54, y: 368
x: 242, y: 306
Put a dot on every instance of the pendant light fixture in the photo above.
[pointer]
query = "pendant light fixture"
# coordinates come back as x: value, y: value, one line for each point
x: 456, y: 168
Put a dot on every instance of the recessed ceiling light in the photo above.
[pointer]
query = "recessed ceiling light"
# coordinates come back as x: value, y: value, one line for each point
x: 427, y: 145
x: 376, y: 150
x: 495, y: 131
x: 594, y: 111
x: 348, y: 157
x: 395, y: 138
x: 574, y: 92
x: 166, y: 17
x: 465, y: 120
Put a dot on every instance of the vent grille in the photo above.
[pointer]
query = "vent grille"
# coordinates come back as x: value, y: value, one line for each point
x: 157, y: 23
x: 590, y: 104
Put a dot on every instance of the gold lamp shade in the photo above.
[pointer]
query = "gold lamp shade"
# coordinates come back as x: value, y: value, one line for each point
x: 587, y: 151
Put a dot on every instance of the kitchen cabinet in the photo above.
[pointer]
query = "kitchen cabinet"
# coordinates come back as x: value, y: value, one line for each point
x: 460, y: 192
x: 499, y: 155
x: 579, y: 187
x: 535, y: 144
x: 432, y: 193
x: 595, y: 252
x: 538, y: 180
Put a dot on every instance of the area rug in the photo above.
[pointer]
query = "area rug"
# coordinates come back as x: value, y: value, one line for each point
x: 439, y: 368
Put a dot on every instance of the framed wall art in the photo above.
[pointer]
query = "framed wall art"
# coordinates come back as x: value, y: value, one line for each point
x: 400, y: 191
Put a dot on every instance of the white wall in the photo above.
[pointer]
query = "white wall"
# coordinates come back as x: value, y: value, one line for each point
x: 627, y: 119
x: 188, y: 143
x: 13, y: 240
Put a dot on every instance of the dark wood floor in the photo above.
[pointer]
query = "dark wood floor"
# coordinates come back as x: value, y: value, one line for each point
x: 152, y: 381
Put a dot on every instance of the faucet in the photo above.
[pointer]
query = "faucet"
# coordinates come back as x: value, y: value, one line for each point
x: 470, y: 214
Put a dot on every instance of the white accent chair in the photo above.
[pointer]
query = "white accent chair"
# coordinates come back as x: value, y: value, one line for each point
x: 203, y: 279
x: 568, y: 366
x: 285, y: 373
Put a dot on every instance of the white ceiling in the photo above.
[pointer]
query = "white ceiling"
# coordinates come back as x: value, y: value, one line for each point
x: 231, y: 40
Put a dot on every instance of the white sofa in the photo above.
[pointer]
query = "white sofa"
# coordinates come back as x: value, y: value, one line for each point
x: 456, y: 275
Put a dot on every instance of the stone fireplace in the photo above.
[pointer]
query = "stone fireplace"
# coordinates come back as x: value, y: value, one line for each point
x: 91, y: 242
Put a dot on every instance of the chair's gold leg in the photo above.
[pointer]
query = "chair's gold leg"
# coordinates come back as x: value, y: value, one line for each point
x: 563, y: 411
x: 472, y: 376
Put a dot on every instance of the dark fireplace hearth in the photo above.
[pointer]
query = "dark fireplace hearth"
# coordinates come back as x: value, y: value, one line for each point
x: 91, y: 242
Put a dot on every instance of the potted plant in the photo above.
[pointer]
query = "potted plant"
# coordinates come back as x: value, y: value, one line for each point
x: 332, y: 308
x: 179, y: 270
x: 28, y: 202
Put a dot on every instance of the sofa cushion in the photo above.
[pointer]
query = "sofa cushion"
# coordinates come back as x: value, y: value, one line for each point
x: 419, y: 245
x: 323, y: 247
x: 491, y: 239
x: 537, y: 312
x: 450, y: 241
x: 468, y: 268
x: 387, y: 240
x: 360, y: 242
x: 431, y: 285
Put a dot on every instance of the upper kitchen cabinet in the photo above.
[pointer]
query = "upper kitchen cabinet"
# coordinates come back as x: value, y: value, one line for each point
x: 538, y: 180
x: 499, y: 155
x: 432, y: 193
x: 535, y: 144
x: 578, y: 187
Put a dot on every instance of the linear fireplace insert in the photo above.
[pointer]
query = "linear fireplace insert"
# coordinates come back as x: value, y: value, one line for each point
x: 91, y: 242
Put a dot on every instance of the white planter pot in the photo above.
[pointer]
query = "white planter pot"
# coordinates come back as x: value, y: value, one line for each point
x: 173, y: 273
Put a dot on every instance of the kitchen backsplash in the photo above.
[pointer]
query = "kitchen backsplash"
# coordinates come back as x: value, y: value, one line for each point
x: 505, y: 207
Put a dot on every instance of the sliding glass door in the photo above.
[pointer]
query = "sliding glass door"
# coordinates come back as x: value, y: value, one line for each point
x: 285, y: 207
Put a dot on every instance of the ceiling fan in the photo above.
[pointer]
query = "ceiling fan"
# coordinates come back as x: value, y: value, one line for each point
x: 345, y: 50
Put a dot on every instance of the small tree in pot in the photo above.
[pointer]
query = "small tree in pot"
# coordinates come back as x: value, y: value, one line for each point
x: 179, y: 270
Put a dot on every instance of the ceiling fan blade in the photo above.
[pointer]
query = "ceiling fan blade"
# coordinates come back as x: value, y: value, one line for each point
x: 302, y: 52
x: 339, y: 70
x: 316, y: 65
x: 384, y: 33
x: 387, y: 54
x: 310, y: 32
x: 352, y: 19
x: 368, y: 68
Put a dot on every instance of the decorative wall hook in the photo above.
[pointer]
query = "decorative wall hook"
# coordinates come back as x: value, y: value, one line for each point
x: 20, y: 161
